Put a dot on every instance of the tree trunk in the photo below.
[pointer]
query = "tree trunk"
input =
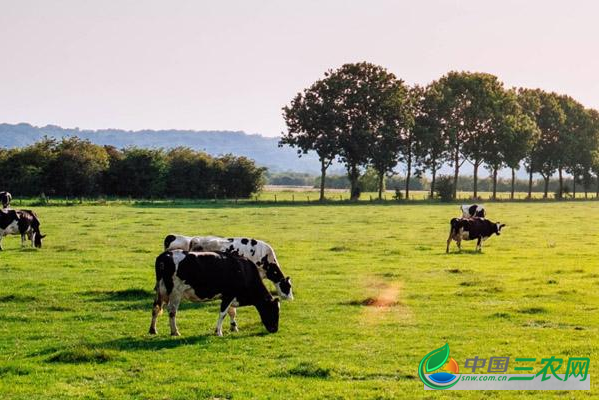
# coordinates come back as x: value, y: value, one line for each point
x: 323, y: 170
x: 512, y: 185
x: 573, y: 186
x: 560, y: 183
x: 433, y: 171
x: 546, y: 181
x: 530, y: 183
x: 380, y: 183
x: 475, y: 169
x: 353, y: 176
x: 456, y: 167
x: 409, y: 165
x: 495, y: 178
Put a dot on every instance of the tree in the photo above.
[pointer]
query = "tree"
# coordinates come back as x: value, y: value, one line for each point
x: 240, y: 177
x: 77, y: 167
x: 431, y: 144
x: 310, y: 119
x: 140, y: 173
x: 470, y: 113
x: 189, y: 174
x: 511, y: 136
x: 25, y: 170
x: 368, y: 112
x: 544, y: 109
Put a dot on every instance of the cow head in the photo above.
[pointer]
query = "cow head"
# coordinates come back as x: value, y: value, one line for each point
x: 37, y: 240
x: 269, y: 314
x: 499, y: 226
x: 284, y: 288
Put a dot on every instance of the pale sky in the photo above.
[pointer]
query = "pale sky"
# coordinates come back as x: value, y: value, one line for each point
x: 232, y: 65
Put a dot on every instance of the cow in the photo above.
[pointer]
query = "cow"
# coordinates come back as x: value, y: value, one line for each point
x: 202, y: 276
x: 261, y: 253
x: 5, y: 198
x: 21, y: 222
x: 470, y: 229
x: 472, y: 211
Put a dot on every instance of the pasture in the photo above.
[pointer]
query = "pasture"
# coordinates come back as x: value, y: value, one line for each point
x: 374, y: 293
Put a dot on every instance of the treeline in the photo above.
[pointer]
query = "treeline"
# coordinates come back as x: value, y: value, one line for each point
x: 365, y: 117
x: 76, y: 167
x: 368, y: 182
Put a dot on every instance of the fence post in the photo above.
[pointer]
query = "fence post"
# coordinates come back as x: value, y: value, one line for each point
x: 292, y: 198
x: 275, y: 198
x: 307, y: 199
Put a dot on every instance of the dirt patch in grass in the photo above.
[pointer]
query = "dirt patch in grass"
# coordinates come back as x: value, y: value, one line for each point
x: 83, y: 354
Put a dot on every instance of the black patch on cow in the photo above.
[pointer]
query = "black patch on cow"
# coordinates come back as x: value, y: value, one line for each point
x: 5, y: 198
x: 168, y: 240
x: 253, y: 252
x: 7, y: 217
x: 253, y: 242
x: 244, y: 241
x: 230, y: 240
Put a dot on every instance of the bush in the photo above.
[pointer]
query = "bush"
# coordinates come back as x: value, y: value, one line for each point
x: 444, y: 188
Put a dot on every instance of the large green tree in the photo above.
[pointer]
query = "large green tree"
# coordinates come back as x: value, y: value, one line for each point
x: 370, y: 112
x: 431, y: 140
x: 545, y: 110
x: 471, y: 111
x: 311, y: 123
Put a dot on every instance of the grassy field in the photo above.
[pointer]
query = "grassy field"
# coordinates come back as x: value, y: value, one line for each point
x: 374, y: 291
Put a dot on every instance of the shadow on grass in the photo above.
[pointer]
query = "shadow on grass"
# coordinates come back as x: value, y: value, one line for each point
x: 148, y: 342
x: 467, y: 252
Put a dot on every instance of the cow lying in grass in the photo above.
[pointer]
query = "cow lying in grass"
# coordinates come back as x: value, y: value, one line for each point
x: 471, y: 229
x: 206, y: 275
x: 21, y: 222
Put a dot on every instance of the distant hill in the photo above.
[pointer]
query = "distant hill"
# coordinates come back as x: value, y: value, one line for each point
x: 263, y: 150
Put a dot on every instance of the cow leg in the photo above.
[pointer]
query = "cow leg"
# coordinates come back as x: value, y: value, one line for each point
x: 478, y: 247
x: 22, y: 240
x: 1, y: 237
x: 449, y: 241
x: 156, y: 311
x: 232, y: 312
x: 225, y: 303
x: 32, y: 238
x: 174, y: 300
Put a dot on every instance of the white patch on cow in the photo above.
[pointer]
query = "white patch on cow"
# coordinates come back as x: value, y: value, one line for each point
x: 464, y: 235
x: 11, y: 229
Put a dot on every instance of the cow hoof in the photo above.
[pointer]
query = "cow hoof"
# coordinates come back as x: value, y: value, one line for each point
x: 175, y: 334
x: 152, y: 331
x: 234, y: 328
x: 219, y: 333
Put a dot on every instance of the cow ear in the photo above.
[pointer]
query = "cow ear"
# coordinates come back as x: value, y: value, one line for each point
x: 502, y: 226
x: 42, y: 236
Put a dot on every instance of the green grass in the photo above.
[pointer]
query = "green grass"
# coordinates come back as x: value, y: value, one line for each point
x: 374, y: 292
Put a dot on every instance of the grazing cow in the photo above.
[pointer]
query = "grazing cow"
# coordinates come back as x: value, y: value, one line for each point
x: 5, y: 198
x: 180, y: 242
x: 257, y: 251
x: 206, y: 275
x: 21, y: 222
x: 471, y: 211
x: 470, y: 229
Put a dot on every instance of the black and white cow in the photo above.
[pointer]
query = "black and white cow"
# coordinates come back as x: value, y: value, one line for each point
x: 5, y: 199
x: 201, y: 276
x: 472, y: 211
x: 257, y: 251
x: 21, y: 222
x: 470, y: 229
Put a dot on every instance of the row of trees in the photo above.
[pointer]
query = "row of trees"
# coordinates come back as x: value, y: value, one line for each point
x: 76, y: 167
x: 364, y: 116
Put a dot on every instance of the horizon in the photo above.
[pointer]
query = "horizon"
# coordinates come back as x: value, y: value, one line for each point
x: 232, y: 67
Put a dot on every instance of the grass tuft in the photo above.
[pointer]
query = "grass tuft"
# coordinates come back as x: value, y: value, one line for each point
x: 339, y: 248
x: 16, y: 298
x: 83, y: 354
x: 533, y: 310
x: 18, y: 370
x: 501, y: 315
x: 310, y: 370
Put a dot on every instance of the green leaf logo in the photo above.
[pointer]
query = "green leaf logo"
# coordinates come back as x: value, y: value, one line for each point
x: 438, y: 358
